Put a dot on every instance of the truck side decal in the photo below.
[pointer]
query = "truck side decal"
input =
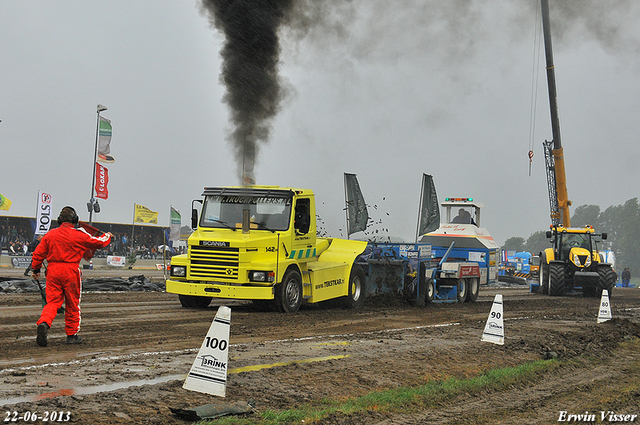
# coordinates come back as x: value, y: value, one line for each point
x: 302, y: 253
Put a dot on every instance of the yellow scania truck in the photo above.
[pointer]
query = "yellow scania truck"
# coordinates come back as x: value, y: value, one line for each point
x: 259, y: 243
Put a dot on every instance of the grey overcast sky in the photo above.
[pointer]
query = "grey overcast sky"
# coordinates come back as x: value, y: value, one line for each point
x: 386, y: 90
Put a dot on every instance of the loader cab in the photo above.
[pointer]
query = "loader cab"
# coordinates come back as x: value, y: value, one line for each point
x: 567, y: 241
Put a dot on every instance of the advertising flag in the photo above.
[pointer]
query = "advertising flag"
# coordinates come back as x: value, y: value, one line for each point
x: 357, y: 215
x: 143, y: 214
x: 102, y: 179
x: 5, y: 203
x: 429, y: 219
x: 43, y: 214
x: 104, y: 141
x: 176, y: 223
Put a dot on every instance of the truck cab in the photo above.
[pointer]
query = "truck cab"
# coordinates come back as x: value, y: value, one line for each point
x: 259, y: 243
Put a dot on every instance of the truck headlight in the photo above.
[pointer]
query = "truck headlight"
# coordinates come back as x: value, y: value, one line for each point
x: 178, y: 271
x: 261, y: 276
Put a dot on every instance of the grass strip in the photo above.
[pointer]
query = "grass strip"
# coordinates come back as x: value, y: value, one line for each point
x: 405, y: 399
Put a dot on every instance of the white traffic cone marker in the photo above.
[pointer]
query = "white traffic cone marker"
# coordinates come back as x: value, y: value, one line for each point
x: 494, y: 329
x: 208, y: 373
x: 604, y: 313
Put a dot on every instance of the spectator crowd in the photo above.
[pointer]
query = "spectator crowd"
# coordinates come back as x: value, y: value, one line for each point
x: 17, y: 241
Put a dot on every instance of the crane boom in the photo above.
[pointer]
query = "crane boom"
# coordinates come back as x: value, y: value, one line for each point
x: 556, y: 175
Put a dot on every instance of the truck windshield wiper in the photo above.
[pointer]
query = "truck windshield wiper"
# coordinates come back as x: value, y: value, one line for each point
x: 225, y: 224
x: 262, y: 226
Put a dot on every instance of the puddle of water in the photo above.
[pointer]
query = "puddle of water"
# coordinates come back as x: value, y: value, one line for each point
x: 122, y: 385
x: 92, y: 390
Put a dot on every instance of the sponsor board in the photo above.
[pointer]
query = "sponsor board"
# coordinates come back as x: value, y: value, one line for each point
x: 117, y: 261
x: 20, y: 262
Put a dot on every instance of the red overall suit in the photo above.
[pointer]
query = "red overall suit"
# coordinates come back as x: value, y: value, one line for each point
x: 63, y: 248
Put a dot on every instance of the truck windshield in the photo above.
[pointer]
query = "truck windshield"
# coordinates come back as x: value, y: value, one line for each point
x: 265, y: 213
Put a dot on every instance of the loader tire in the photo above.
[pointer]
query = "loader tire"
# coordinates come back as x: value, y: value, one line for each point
x: 355, y: 299
x: 289, y: 292
x: 607, y: 279
x: 462, y: 290
x: 473, y: 288
x: 557, y: 284
x: 543, y: 276
x: 194, y: 301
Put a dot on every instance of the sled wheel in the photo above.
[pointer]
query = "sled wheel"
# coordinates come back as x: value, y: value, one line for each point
x: 473, y: 287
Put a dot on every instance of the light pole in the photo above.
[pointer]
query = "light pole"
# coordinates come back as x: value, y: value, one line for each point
x: 92, y: 205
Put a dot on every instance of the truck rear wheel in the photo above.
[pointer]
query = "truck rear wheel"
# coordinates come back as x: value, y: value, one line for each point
x: 473, y: 287
x: 289, y: 292
x: 355, y: 299
x: 194, y: 301
x: 557, y: 284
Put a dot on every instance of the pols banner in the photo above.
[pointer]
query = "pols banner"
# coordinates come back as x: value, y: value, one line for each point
x: 44, y: 213
x: 102, y: 179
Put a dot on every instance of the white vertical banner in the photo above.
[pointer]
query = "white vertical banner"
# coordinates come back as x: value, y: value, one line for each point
x: 43, y: 213
x: 208, y: 373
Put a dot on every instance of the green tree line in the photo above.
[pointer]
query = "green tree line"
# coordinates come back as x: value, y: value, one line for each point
x: 620, y: 222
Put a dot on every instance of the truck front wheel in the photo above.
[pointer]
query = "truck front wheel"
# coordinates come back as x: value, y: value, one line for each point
x: 289, y: 292
x: 194, y: 301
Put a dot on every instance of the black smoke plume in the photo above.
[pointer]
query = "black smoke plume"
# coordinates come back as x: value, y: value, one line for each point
x: 250, y: 70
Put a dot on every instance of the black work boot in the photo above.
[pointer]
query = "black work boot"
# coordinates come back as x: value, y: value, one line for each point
x: 74, y: 339
x: 41, y: 339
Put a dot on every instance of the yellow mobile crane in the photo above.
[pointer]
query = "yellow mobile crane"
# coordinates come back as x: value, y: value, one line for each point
x: 573, y: 261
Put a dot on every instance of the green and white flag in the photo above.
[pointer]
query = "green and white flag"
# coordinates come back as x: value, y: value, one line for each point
x: 104, y: 141
x: 176, y: 223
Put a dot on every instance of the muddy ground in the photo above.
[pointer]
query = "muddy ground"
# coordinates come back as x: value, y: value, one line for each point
x: 328, y: 352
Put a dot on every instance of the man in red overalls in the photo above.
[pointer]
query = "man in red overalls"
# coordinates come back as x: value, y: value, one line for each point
x: 63, y: 248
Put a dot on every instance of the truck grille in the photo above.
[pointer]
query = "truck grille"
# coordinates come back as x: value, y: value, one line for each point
x: 213, y: 262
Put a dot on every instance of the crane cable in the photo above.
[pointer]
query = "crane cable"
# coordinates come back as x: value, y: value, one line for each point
x: 537, y: 46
